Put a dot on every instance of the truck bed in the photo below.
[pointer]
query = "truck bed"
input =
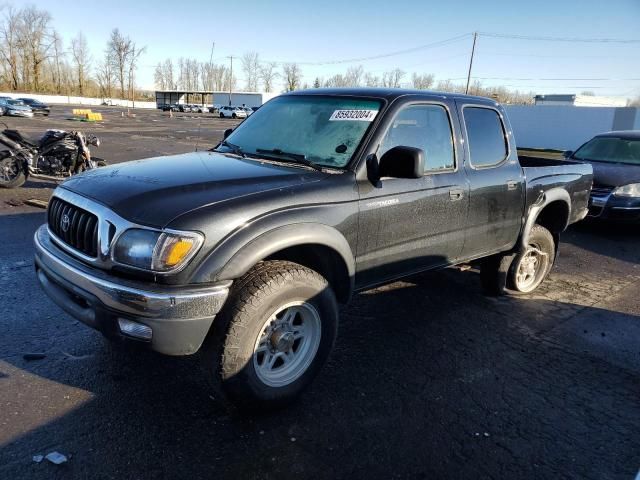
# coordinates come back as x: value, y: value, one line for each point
x: 543, y: 174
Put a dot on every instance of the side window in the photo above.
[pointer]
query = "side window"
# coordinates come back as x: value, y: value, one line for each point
x: 487, y: 142
x: 426, y: 127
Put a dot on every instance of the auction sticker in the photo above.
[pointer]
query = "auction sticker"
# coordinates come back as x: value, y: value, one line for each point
x: 353, y: 115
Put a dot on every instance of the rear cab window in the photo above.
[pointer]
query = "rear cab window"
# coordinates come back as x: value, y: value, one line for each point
x: 486, y: 136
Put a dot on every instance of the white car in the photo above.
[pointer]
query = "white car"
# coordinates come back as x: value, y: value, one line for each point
x: 232, y: 112
x: 16, y: 108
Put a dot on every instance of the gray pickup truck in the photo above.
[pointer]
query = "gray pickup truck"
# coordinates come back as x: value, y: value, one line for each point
x: 244, y: 253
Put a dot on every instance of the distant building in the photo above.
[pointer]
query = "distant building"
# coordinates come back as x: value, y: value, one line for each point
x: 217, y: 98
x: 580, y: 100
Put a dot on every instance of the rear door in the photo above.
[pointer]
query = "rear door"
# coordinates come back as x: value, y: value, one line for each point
x: 496, y: 181
x: 414, y: 224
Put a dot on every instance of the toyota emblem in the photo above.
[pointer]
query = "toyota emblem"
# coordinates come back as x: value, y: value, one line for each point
x: 64, y: 224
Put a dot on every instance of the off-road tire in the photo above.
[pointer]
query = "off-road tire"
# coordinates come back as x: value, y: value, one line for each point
x: 227, y: 353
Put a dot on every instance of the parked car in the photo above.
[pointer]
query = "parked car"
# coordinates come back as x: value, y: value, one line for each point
x: 615, y: 157
x: 199, y: 108
x: 255, y: 109
x: 249, y: 110
x: 37, y: 106
x: 245, y: 252
x: 15, y: 108
x: 214, y: 108
x: 184, y: 107
x: 232, y: 112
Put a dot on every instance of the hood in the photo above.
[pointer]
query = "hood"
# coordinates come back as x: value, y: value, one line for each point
x: 615, y: 174
x: 156, y: 190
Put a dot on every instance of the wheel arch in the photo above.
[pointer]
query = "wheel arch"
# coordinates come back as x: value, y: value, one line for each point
x: 552, y: 211
x: 319, y: 247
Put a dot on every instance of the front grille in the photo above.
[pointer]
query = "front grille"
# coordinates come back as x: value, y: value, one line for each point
x: 74, y: 226
x: 601, y: 190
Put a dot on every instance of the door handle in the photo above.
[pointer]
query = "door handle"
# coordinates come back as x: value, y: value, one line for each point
x: 512, y: 185
x: 455, y: 194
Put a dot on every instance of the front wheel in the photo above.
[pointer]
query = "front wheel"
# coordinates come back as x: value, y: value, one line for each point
x: 221, y: 115
x: 273, y: 336
x: 11, y: 173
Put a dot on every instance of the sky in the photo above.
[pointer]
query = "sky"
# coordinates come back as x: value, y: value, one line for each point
x: 323, y: 31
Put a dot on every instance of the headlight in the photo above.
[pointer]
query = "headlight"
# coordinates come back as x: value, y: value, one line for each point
x: 156, y: 251
x: 631, y: 190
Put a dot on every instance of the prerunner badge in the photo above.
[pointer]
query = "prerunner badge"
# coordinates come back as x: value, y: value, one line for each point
x: 353, y: 115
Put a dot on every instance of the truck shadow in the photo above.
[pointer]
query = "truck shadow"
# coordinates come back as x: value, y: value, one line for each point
x: 428, y: 379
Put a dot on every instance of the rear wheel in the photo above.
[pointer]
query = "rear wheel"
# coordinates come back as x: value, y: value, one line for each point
x: 519, y: 272
x: 531, y: 267
x: 221, y: 115
x: 234, y: 116
x: 273, y: 336
x: 11, y: 173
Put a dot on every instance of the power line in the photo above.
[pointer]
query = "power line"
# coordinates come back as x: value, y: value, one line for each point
x: 383, y: 55
x: 559, y: 39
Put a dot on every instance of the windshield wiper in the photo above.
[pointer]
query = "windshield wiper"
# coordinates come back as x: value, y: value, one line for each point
x: 289, y: 157
x: 236, y: 149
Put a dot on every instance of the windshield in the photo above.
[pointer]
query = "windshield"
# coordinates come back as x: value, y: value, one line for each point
x: 324, y: 130
x: 15, y: 102
x: 610, y: 149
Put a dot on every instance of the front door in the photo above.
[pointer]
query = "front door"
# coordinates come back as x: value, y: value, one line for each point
x: 408, y: 225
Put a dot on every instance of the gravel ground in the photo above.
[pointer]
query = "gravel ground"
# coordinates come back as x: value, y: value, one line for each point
x: 429, y: 378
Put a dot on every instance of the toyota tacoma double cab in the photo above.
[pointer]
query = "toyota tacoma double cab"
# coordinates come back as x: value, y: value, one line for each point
x: 244, y: 253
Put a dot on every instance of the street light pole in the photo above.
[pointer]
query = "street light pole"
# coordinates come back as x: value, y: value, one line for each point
x: 230, y: 79
x: 473, y: 49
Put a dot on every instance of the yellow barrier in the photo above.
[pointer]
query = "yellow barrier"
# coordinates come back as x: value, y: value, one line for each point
x: 96, y: 117
x: 81, y: 111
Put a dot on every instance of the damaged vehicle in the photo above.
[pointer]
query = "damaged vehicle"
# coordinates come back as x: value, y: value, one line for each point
x: 245, y: 253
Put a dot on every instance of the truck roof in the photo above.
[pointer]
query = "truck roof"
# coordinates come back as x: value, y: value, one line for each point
x: 390, y: 93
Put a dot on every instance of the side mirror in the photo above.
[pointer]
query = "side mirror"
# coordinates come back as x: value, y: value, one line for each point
x: 227, y: 132
x: 567, y: 153
x: 402, y: 162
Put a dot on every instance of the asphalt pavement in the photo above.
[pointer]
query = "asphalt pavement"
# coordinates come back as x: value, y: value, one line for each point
x: 428, y: 379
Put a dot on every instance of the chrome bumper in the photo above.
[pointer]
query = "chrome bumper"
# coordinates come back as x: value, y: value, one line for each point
x: 180, y: 317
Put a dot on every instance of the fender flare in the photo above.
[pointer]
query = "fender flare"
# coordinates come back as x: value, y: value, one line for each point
x: 280, y: 238
x: 544, y: 199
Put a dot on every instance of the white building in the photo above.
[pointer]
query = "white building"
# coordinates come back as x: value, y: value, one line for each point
x: 205, y: 97
x: 580, y: 100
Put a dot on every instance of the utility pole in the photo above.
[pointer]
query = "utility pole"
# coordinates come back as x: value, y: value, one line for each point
x: 473, y: 49
x: 230, y: 79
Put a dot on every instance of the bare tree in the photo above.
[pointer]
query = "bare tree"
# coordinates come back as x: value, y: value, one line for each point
x: 81, y: 59
x: 292, y: 76
x: 120, y: 48
x: 159, y: 78
x: 422, y: 81
x: 58, y: 60
x: 371, y: 80
x: 392, y: 78
x: 36, y: 39
x: 268, y: 74
x: 354, y: 75
x: 251, y: 69
x: 10, y: 46
x: 132, y: 66
x: 106, y: 77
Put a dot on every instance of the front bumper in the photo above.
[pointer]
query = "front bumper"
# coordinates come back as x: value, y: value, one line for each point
x: 16, y: 113
x: 616, y: 209
x: 179, y: 317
